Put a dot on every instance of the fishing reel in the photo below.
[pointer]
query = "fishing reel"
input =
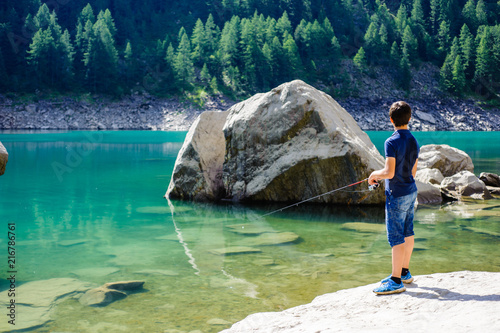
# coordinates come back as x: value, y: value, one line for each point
x: 373, y: 187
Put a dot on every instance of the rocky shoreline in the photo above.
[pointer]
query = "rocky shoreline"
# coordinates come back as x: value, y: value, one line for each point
x: 146, y: 112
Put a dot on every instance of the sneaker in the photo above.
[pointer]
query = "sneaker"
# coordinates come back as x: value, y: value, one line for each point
x: 389, y: 287
x: 405, y: 279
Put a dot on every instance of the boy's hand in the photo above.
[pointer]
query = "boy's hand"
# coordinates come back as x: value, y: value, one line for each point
x: 372, y: 180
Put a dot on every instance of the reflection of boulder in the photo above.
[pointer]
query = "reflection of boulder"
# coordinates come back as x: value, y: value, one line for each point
x: 428, y: 194
x: 289, y: 144
x: 4, y: 157
x: 464, y: 183
x: 447, y: 159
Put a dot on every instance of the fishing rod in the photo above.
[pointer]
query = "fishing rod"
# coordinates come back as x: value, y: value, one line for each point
x: 371, y: 187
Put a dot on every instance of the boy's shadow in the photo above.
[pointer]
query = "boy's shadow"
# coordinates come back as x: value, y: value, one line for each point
x: 443, y: 294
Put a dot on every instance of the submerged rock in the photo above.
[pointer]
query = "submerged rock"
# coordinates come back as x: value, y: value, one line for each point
x: 364, y: 227
x: 465, y: 184
x: 125, y: 285
x: 249, y: 229
x: 109, y: 292
x: 165, y: 272
x: 275, y: 238
x: 4, y: 158
x: 235, y: 250
x: 290, y: 144
x: 446, y: 159
x: 101, y: 296
x: 37, y: 301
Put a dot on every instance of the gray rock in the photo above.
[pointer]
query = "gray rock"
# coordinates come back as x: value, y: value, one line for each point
x: 425, y: 116
x: 198, y: 169
x: 447, y: 159
x: 428, y: 193
x: 101, y: 296
x: 289, y: 144
x: 464, y: 184
x: 493, y: 190
x: 431, y: 176
x: 4, y: 158
x: 490, y: 179
x: 109, y: 293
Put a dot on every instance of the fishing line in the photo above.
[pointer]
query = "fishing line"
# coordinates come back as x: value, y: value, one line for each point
x: 371, y: 187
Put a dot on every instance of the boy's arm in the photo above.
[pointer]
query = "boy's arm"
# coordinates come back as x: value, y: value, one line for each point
x: 387, y: 172
x: 414, y: 170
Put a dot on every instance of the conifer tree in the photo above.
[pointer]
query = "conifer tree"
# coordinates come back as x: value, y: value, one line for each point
x: 360, y: 60
x: 405, y: 69
x: 446, y: 73
x: 50, y: 53
x: 284, y: 25
x: 293, y: 60
x: 458, y: 76
x: 183, y: 65
x: 467, y: 46
x: 481, y: 14
x: 443, y: 37
x: 205, y: 75
x: 401, y: 20
x: 101, y: 59
x: 410, y: 43
x: 417, y: 13
x: 434, y: 16
x: 395, y: 56
x: 484, y: 57
x: 199, y: 43
x: 469, y: 14
x: 212, y: 35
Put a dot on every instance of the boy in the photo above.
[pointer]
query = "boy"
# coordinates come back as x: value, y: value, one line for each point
x: 401, y: 153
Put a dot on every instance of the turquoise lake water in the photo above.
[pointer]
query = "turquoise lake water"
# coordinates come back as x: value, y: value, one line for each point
x: 89, y: 205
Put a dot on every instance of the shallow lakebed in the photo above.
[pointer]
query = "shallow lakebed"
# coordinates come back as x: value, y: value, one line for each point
x: 90, y: 206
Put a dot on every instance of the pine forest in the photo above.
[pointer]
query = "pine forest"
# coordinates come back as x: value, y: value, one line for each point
x: 239, y: 47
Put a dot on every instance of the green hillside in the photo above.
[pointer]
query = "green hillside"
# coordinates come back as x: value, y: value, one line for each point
x: 238, y: 47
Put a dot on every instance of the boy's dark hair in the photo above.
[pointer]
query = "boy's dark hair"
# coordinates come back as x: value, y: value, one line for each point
x: 400, y: 113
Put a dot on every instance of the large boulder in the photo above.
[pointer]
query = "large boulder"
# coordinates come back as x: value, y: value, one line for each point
x: 464, y: 184
x: 290, y: 144
x: 447, y: 159
x: 197, y: 172
x: 428, y: 193
x: 4, y: 157
x: 430, y: 176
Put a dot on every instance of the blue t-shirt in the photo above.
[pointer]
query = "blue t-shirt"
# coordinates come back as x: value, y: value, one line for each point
x: 403, y: 146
